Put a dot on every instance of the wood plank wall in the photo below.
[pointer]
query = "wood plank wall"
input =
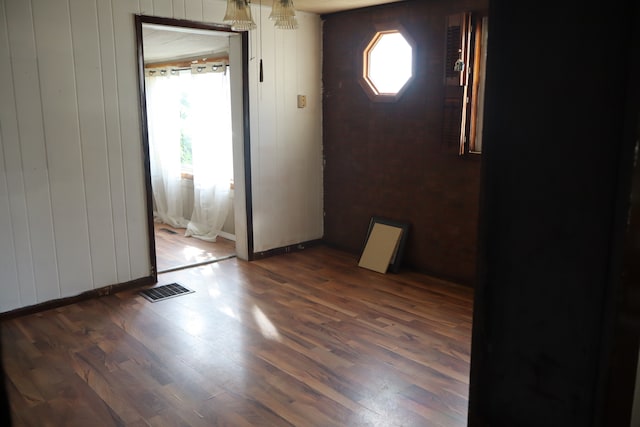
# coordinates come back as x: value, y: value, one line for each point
x: 388, y: 158
x: 72, y: 211
x: 286, y: 141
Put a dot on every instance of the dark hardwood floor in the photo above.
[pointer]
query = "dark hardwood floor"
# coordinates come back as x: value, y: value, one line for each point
x: 175, y: 250
x: 303, y: 339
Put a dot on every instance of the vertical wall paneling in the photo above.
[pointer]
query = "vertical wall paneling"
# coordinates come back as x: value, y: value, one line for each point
x: 114, y: 139
x: 309, y: 83
x: 292, y: 148
x: 64, y: 156
x: 93, y: 142
x: 163, y: 8
x: 178, y: 9
x: 213, y: 10
x: 28, y: 107
x: 264, y: 159
x: 146, y: 7
x: 130, y: 132
x: 11, y: 296
x: 286, y: 158
x: 285, y: 137
x: 13, y: 209
x: 72, y: 197
x: 193, y: 10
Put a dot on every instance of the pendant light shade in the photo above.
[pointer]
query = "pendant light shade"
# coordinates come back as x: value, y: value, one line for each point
x: 238, y: 14
x: 284, y: 14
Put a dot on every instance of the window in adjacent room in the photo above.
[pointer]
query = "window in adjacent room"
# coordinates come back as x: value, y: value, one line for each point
x: 186, y: 151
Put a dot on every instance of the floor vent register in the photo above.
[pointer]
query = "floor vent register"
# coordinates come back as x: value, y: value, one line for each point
x: 164, y: 292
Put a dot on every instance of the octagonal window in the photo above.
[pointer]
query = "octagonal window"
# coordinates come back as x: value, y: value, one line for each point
x: 388, y: 63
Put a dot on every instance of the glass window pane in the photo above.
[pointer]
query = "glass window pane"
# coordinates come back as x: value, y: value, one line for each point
x: 390, y: 63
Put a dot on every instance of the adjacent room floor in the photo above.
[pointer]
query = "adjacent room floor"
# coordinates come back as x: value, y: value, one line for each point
x: 303, y: 339
x: 175, y: 250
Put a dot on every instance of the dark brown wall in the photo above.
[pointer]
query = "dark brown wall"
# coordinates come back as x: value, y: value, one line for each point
x: 387, y: 159
x: 550, y: 302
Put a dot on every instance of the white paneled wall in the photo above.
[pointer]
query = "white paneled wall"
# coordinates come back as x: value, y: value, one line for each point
x: 72, y: 197
x: 286, y: 141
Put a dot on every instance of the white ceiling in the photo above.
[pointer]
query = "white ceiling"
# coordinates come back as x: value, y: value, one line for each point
x: 330, y: 6
x: 162, y: 43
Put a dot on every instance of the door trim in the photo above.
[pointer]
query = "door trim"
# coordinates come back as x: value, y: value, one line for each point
x: 145, y: 19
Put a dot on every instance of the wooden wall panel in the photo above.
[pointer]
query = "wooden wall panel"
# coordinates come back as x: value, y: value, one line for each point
x: 129, y: 108
x: 212, y: 10
x: 308, y: 77
x: 263, y: 129
x: 64, y: 158
x: 286, y: 160
x: 146, y: 7
x: 93, y: 140
x: 8, y: 265
x: 193, y: 10
x: 163, y: 8
x: 28, y: 107
x: 114, y: 139
x: 72, y: 178
x: 289, y: 150
x: 13, y: 214
x: 178, y: 9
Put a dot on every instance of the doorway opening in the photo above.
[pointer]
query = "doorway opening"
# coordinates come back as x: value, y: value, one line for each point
x: 195, y: 139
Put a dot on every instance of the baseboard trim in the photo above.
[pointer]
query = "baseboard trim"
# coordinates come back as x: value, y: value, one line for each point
x: 286, y: 249
x: 409, y: 268
x: 93, y: 293
x: 227, y: 236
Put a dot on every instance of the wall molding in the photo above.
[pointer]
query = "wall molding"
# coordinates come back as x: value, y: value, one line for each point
x: 296, y: 247
x: 94, y: 293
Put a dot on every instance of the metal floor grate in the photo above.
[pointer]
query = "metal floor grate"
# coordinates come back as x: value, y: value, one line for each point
x: 164, y: 292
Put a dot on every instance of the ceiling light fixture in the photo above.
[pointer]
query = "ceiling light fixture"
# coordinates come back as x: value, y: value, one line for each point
x: 238, y: 14
x: 284, y: 14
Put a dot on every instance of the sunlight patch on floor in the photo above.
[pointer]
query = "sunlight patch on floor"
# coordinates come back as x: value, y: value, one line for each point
x: 214, y: 291
x: 194, y: 325
x: 230, y: 312
x: 192, y: 253
x: 267, y: 328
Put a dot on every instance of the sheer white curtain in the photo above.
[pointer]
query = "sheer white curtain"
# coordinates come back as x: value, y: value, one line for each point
x: 163, y: 122
x: 208, y: 124
x: 210, y: 127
